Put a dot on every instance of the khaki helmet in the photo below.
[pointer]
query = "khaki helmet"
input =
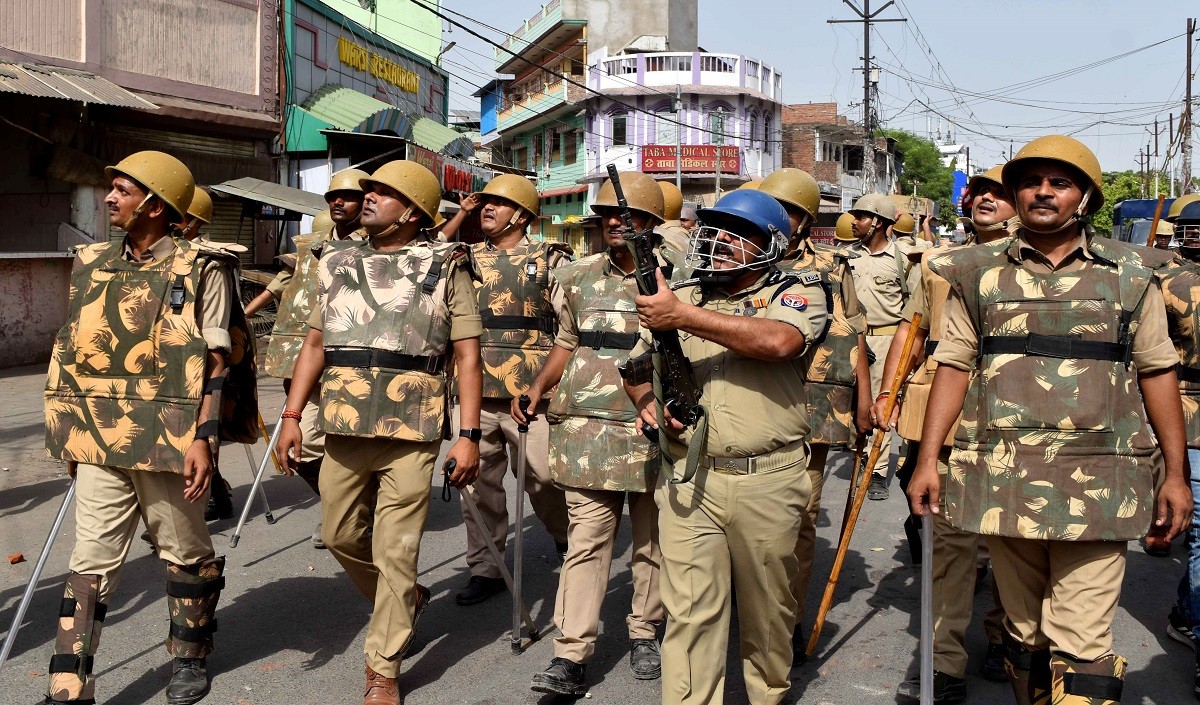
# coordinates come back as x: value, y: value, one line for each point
x: 844, y: 232
x: 1178, y: 204
x: 796, y: 187
x: 162, y: 175
x: 517, y: 189
x: 752, y: 185
x: 201, y: 207
x: 876, y: 204
x: 641, y: 191
x: 322, y: 222
x: 1067, y: 150
x: 413, y: 181
x: 672, y: 200
x: 993, y: 175
x: 346, y: 180
x: 905, y: 224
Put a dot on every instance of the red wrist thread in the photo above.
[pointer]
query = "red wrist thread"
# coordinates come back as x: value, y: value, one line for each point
x: 288, y: 414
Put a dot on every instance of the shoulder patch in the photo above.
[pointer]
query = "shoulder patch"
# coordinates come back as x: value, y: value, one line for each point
x: 796, y: 301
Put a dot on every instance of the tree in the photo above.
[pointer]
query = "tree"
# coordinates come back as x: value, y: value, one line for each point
x: 1119, y: 186
x: 922, y: 164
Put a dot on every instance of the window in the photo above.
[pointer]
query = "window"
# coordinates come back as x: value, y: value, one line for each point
x: 519, y: 157
x: 716, y: 126
x: 570, y: 147
x: 666, y: 126
x: 752, y: 132
x: 767, y: 136
x: 619, y: 122
x: 538, y: 142
x: 556, y: 138
x: 576, y: 67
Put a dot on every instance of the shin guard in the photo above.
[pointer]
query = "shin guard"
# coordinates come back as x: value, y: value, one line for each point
x: 192, y: 594
x: 1096, y: 682
x: 80, y: 616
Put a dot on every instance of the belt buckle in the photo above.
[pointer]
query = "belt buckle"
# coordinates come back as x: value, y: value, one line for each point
x: 732, y: 466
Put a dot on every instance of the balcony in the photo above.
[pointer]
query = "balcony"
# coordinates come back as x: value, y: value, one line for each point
x: 667, y: 69
x: 531, y: 106
x: 556, y: 22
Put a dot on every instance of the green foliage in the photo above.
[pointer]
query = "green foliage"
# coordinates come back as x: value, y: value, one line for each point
x: 1119, y: 186
x: 923, y: 164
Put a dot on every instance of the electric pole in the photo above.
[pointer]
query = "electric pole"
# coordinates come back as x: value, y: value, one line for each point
x: 678, y: 139
x: 1185, y: 121
x: 866, y: 17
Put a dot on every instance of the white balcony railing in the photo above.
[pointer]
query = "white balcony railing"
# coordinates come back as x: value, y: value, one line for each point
x: 669, y: 69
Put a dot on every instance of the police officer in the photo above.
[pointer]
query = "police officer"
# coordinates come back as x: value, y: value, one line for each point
x: 674, y: 235
x: 517, y: 300
x: 597, y: 451
x: 1058, y: 343
x: 904, y: 230
x: 345, y: 198
x: 837, y: 376
x: 881, y: 278
x: 296, y: 288
x: 389, y: 310
x: 687, y: 218
x: 732, y: 526
x: 133, y: 404
x: 954, y: 551
x: 1183, y: 314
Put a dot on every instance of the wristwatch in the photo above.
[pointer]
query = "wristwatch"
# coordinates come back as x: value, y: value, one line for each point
x: 471, y: 434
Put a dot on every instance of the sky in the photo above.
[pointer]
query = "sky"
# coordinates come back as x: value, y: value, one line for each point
x: 951, y: 58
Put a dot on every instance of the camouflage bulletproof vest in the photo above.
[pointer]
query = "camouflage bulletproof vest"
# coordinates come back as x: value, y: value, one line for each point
x: 128, y: 370
x: 386, y: 329
x: 519, y: 321
x: 295, y: 306
x: 1181, y: 290
x: 831, y: 363
x: 591, y: 395
x: 1052, y: 442
x: 916, y: 393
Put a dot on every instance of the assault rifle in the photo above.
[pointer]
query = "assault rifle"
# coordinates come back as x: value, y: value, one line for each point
x: 679, y: 393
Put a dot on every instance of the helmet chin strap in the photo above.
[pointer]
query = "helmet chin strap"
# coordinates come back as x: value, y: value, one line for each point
x: 137, y: 213
x: 1075, y: 217
x: 395, y: 227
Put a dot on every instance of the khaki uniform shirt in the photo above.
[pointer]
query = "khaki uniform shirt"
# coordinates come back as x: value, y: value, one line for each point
x: 754, y: 406
x: 216, y: 293
x: 1152, y: 347
x: 877, y: 282
x: 460, y: 298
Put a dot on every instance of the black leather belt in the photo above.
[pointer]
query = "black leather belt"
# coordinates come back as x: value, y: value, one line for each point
x: 370, y: 357
x: 491, y: 321
x: 1056, y: 346
x: 598, y: 339
x: 930, y: 347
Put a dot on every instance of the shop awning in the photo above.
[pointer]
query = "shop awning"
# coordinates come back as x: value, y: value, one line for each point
x: 438, y: 138
x: 550, y: 193
x: 68, y: 84
x: 272, y: 194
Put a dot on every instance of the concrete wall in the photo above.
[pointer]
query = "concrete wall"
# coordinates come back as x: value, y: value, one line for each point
x: 399, y: 21
x: 33, y: 306
x: 619, y: 23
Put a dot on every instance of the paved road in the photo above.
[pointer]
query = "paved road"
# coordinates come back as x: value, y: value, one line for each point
x: 292, y: 625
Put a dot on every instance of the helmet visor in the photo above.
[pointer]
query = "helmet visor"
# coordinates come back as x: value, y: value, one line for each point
x: 714, y: 249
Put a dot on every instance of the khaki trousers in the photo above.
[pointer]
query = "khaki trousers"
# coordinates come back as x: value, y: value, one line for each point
x: 1059, y: 595
x: 720, y: 532
x: 395, y: 475
x: 312, y: 437
x: 499, y: 442
x: 879, y: 345
x: 806, y: 542
x: 108, y: 504
x: 594, y: 516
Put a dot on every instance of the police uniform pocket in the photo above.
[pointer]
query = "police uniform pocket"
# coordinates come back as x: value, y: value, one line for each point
x: 1037, y: 390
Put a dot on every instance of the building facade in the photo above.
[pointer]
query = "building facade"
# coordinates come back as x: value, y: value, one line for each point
x: 830, y: 147
x: 86, y: 83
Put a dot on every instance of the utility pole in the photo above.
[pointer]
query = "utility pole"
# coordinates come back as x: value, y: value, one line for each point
x: 867, y: 18
x: 1185, y: 121
x: 678, y: 140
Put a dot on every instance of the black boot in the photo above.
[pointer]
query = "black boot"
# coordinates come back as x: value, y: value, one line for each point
x: 189, y: 681
x: 563, y: 677
x: 993, y: 664
x: 946, y: 688
x: 220, y: 501
x: 478, y: 589
x: 644, y: 659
